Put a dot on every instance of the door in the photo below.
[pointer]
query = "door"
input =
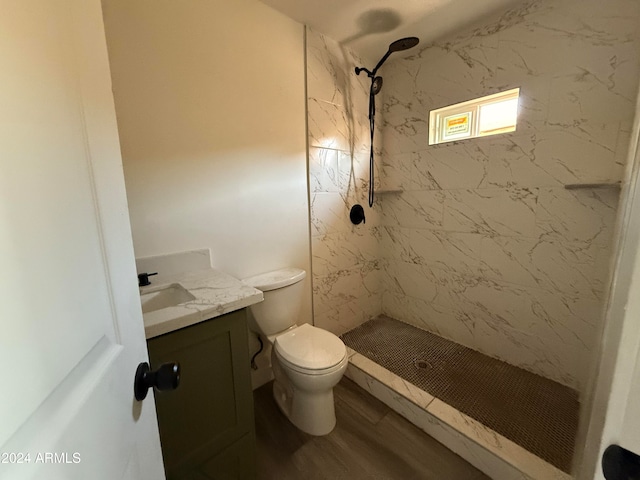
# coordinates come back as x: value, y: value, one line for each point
x: 71, y: 330
x: 615, y: 406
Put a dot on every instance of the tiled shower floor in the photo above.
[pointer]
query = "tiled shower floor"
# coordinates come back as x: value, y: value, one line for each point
x: 534, y: 412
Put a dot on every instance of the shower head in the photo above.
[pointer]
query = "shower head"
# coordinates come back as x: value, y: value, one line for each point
x: 376, y: 85
x: 404, y: 44
x: 397, y: 46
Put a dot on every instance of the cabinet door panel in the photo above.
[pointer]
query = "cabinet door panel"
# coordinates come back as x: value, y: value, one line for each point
x: 213, y: 406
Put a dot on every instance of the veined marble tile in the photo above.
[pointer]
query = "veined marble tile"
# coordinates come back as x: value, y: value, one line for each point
x: 347, y: 316
x: 552, y: 158
x: 577, y: 215
x: 329, y: 214
x: 330, y: 73
x: 459, y: 165
x: 404, y: 130
x: 509, y: 212
x: 555, y: 38
x: 574, y: 268
x: 328, y: 125
x: 323, y: 170
x: 414, y: 208
x: 601, y: 136
x: 397, y: 171
x: 423, y: 282
x: 533, y: 102
x: 429, y: 316
x: 466, y: 70
x: 361, y: 283
x: 513, y: 163
x: 620, y: 21
x: 339, y: 251
x: 559, y: 318
x: 354, y: 171
x: 584, y: 94
x: 449, y: 251
x: 327, y: 68
x: 332, y: 126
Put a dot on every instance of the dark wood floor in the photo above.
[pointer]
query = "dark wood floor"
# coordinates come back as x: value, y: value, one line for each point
x: 370, y: 441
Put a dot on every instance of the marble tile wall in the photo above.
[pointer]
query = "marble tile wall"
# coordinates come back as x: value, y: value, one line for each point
x: 485, y: 246
x: 346, y: 258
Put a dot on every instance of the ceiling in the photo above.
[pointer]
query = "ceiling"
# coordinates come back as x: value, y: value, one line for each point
x: 369, y: 26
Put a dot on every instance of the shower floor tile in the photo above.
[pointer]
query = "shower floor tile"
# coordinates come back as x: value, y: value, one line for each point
x: 532, y: 411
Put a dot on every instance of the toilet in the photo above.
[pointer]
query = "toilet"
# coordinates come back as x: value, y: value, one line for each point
x: 307, y: 361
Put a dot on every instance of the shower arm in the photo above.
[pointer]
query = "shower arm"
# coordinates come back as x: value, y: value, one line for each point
x: 362, y: 69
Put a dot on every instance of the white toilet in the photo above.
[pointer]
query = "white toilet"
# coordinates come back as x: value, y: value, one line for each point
x: 307, y: 361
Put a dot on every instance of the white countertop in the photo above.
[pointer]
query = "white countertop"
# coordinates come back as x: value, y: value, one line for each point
x: 215, y: 292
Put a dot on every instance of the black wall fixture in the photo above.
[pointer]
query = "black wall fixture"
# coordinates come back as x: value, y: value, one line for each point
x: 357, y: 214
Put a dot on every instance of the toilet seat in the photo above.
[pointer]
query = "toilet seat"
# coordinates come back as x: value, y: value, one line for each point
x: 311, y: 350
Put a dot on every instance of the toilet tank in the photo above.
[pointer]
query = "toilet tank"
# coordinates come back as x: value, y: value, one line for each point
x: 282, y: 291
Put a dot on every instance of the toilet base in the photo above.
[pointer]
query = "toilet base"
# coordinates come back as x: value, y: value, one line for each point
x: 313, y: 413
x: 307, y: 400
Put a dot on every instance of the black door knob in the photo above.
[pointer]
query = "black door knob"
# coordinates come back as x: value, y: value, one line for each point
x: 620, y: 464
x: 166, y: 377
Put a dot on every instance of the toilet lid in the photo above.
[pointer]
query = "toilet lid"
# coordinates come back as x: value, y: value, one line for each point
x: 310, y: 347
x: 274, y: 280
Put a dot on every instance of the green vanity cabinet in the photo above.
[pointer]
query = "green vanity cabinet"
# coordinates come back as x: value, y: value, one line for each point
x: 206, y: 424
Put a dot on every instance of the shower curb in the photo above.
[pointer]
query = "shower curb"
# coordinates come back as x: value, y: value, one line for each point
x: 490, y: 452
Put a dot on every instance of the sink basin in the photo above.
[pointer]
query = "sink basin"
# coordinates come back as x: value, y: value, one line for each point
x: 168, y: 296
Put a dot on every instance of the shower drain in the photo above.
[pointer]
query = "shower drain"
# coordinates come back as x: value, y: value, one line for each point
x: 421, y: 364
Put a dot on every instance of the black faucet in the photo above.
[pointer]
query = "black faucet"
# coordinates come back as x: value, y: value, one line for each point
x: 143, y: 279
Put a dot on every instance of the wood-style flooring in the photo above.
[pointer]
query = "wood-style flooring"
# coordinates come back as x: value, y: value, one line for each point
x: 370, y: 441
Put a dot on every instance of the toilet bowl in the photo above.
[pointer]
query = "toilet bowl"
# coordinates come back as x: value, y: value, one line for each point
x: 307, y: 361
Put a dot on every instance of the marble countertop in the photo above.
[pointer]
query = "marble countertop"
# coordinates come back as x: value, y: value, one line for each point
x: 215, y: 292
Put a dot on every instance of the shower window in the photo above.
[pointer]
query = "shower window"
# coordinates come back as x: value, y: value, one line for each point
x: 490, y: 115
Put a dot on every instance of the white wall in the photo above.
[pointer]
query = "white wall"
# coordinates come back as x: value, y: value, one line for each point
x: 210, y: 99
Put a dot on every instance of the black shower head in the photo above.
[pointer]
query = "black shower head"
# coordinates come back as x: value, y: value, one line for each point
x: 397, y: 46
x: 404, y: 44
x: 376, y: 85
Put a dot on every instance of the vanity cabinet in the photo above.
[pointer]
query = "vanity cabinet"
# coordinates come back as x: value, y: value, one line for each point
x: 206, y: 424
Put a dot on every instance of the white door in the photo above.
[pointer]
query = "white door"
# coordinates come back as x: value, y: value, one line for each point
x: 615, y: 407
x: 71, y: 331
